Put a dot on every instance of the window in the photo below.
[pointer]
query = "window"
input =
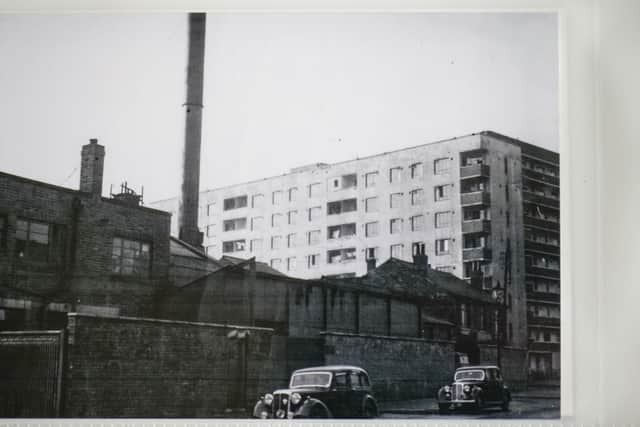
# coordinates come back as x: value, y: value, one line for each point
x: 313, y: 260
x: 276, y: 242
x: 341, y: 255
x: 211, y: 230
x: 131, y: 257
x: 472, y: 241
x: 441, y: 166
x: 276, y: 220
x: 395, y: 175
x: 417, y: 196
x: 341, y: 231
x: 235, y: 224
x: 257, y: 200
x: 443, y: 192
x: 276, y: 197
x: 235, y: 203
x: 395, y: 200
x: 292, y: 217
x: 291, y: 263
x: 443, y: 219
x: 256, y: 245
x: 417, y: 222
x: 32, y: 240
x: 276, y: 263
x: 314, y: 189
x: 396, y: 251
x: 442, y: 246
x: 371, y: 253
x: 371, y: 179
x: 210, y: 250
x: 371, y: 229
x: 293, y: 192
x: 344, y: 182
x: 257, y: 223
x: 418, y: 248
x: 313, y: 237
x: 233, y: 246
x: 314, y: 213
x: 464, y: 320
x: 371, y: 204
x: 211, y: 207
x: 291, y: 240
x: 474, y: 268
x: 395, y: 225
x: 342, y: 206
x: 416, y: 170
x: 473, y: 214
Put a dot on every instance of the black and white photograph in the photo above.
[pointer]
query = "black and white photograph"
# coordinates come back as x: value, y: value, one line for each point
x: 280, y: 215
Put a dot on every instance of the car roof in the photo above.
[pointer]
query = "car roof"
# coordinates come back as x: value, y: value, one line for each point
x: 462, y: 368
x: 331, y: 368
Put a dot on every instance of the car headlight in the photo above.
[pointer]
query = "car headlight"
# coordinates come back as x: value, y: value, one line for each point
x: 295, y: 398
x: 447, y: 389
x: 268, y: 399
x: 466, y: 389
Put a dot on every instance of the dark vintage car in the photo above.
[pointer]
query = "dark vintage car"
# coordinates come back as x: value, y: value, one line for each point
x: 475, y: 387
x: 321, y: 392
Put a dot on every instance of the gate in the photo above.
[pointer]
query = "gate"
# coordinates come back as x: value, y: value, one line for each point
x: 31, y: 369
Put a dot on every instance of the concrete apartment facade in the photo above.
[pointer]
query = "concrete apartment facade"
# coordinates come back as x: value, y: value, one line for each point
x: 462, y: 202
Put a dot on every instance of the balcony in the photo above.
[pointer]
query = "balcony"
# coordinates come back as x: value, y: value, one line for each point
x: 541, y: 199
x: 534, y: 270
x: 532, y: 245
x: 475, y: 198
x: 473, y: 171
x: 540, y: 177
x: 473, y: 254
x: 476, y: 226
x: 541, y: 222
x: 544, y: 346
x: 532, y: 319
x: 542, y: 296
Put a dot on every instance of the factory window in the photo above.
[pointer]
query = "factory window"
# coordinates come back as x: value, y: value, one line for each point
x: 233, y: 246
x: 371, y: 179
x: 395, y: 225
x: 371, y: 204
x: 371, y: 229
x: 417, y: 222
x: 276, y: 263
x: 442, y: 246
x: 256, y: 245
x: 257, y: 201
x: 276, y: 220
x: 443, y: 219
x: 416, y: 196
x: 235, y: 203
x: 344, y: 182
x: 276, y: 242
x: 32, y: 240
x: 416, y: 170
x: 418, y: 248
x: 211, y: 230
x: 315, y: 213
x: 314, y: 189
x: 291, y: 240
x: 442, y: 192
x: 235, y: 224
x: 395, y: 200
x: 257, y: 223
x: 276, y: 197
x: 341, y: 255
x: 441, y: 166
x: 341, y: 231
x: 396, y: 251
x: 211, y: 207
x: 395, y: 175
x: 292, y: 217
x: 342, y: 206
x: 293, y: 192
x: 291, y: 263
x: 313, y: 237
x: 131, y: 257
x: 313, y: 260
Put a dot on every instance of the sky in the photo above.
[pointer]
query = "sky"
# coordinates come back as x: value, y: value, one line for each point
x: 281, y: 90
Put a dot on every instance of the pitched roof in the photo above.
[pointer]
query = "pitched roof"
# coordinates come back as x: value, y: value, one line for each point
x: 261, y: 267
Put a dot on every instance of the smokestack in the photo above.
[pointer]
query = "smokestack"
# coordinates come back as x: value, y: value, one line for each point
x: 190, y: 188
x: 92, y: 167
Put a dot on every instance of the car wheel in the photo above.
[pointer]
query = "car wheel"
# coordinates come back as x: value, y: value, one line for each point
x: 479, y: 403
x: 443, y: 408
x: 318, y: 411
x: 505, y: 403
x: 370, y: 411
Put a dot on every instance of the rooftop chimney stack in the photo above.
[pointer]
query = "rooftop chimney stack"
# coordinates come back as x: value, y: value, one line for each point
x: 92, y: 167
x: 190, y: 187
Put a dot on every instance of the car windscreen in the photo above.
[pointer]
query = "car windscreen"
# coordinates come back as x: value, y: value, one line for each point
x: 311, y: 379
x: 471, y: 374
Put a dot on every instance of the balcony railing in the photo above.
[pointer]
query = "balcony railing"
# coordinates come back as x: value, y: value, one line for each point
x: 532, y: 245
x: 532, y: 319
x: 544, y: 346
x: 473, y: 171
x: 541, y: 222
x: 476, y: 254
x: 541, y: 199
x: 540, y: 177
x: 475, y: 198
x: 476, y: 226
x: 535, y: 270
x: 542, y: 296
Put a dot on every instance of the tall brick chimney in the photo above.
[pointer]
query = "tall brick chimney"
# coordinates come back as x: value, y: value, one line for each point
x: 189, y: 192
x: 92, y: 167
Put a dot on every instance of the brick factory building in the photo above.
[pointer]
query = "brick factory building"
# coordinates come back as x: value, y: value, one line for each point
x: 484, y: 207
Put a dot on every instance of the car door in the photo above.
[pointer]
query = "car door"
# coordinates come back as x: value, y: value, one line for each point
x: 337, y: 400
x: 491, y: 386
x: 356, y: 396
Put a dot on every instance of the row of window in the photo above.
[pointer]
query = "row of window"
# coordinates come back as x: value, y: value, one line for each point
x: 546, y: 311
x: 544, y: 336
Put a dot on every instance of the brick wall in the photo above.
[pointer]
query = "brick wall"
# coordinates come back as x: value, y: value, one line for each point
x: 131, y: 367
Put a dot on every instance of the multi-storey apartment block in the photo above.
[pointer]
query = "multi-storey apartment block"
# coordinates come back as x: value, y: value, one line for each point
x: 483, y: 207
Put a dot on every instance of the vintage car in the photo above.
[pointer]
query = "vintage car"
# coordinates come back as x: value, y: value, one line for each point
x: 475, y: 387
x: 321, y: 392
